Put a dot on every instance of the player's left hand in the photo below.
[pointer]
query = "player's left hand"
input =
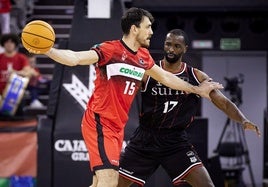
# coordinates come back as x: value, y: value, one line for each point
x: 247, y: 125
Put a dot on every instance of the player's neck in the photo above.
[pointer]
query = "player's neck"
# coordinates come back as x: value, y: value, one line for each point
x: 131, y: 43
x: 172, y: 67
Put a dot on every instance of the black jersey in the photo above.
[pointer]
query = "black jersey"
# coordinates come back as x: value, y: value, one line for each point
x: 165, y: 108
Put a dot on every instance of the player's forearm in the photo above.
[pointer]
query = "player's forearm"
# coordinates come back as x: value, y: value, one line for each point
x: 235, y: 114
x: 230, y: 109
x: 178, y: 84
x: 62, y: 56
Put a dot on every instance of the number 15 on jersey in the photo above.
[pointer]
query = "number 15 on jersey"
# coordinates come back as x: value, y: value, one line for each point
x: 129, y: 88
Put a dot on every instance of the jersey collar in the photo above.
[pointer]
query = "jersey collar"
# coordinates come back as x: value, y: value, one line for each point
x: 130, y: 50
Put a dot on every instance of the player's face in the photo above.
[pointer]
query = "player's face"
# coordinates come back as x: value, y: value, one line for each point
x: 145, y: 32
x: 9, y: 46
x: 174, y: 48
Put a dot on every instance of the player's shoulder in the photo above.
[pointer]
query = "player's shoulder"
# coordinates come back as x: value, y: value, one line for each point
x: 144, y: 50
x: 144, y: 53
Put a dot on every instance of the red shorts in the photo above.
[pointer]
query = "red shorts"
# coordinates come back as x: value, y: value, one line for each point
x: 103, y: 144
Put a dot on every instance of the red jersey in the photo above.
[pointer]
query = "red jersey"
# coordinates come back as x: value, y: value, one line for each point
x: 119, y: 72
x: 5, y: 6
x: 17, y: 62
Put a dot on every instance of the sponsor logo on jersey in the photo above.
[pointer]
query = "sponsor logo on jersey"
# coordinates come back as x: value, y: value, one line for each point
x: 193, y: 159
x: 141, y: 61
x: 160, y: 89
x: 131, y: 72
x: 191, y: 156
x: 126, y: 70
x: 166, y: 91
x: 190, y: 153
x: 77, y: 148
x: 124, y: 56
x: 126, y: 171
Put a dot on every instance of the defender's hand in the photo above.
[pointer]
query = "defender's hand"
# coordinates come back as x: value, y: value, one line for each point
x: 207, y: 86
x: 247, y: 125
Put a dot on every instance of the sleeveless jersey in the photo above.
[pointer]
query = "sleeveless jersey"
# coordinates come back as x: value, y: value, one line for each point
x: 165, y: 108
x: 119, y: 72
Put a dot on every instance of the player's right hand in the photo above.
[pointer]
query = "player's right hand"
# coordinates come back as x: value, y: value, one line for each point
x: 207, y: 86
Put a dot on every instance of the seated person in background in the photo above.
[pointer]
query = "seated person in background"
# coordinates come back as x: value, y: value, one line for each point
x: 11, y: 61
x: 34, y: 82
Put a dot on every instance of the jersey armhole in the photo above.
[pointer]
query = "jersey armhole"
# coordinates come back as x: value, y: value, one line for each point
x: 98, y: 53
x: 103, y: 59
x: 193, y: 70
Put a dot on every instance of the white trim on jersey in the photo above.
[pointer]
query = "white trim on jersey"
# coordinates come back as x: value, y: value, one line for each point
x: 182, y: 71
x: 188, y: 169
x: 130, y: 176
x: 125, y: 70
x: 192, y: 69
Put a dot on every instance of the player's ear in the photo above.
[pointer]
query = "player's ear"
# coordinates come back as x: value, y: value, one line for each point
x: 134, y: 29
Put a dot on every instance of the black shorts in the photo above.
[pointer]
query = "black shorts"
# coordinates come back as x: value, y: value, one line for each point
x: 147, y: 150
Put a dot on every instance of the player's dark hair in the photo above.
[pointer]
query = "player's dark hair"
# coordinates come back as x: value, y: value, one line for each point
x: 179, y: 32
x: 134, y: 16
x: 13, y: 37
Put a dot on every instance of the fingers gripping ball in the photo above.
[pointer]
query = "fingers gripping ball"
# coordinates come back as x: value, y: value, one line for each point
x: 38, y: 37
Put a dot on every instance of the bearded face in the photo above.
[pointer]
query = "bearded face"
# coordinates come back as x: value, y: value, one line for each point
x: 172, y: 58
x: 143, y: 40
x: 174, y: 48
x: 144, y: 33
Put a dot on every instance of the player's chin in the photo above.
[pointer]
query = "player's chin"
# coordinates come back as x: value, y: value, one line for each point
x: 146, y: 44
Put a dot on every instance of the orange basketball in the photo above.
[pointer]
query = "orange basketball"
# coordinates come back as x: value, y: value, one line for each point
x: 38, y: 37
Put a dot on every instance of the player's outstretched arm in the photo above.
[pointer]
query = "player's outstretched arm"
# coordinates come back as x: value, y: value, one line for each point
x: 228, y: 107
x: 176, y: 83
x: 232, y: 111
x: 72, y: 58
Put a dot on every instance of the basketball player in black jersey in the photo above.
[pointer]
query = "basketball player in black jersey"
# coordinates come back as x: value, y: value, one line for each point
x: 160, y: 138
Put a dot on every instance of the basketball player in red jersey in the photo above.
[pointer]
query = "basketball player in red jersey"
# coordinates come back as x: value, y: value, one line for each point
x: 161, y: 138
x: 120, y: 66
